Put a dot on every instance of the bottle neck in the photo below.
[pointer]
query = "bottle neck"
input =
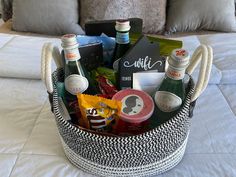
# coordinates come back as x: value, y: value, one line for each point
x: 175, y: 73
x: 122, y: 37
x: 72, y: 53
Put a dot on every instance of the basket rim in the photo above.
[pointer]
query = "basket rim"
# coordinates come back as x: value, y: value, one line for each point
x: 99, y: 137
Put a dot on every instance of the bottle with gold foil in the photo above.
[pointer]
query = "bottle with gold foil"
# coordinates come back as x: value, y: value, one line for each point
x: 170, y: 96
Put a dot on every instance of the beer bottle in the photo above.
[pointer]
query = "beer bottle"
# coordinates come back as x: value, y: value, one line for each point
x: 122, y: 40
x: 77, y: 79
x: 171, y: 93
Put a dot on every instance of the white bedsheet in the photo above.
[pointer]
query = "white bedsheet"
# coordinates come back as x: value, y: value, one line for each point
x: 29, y: 141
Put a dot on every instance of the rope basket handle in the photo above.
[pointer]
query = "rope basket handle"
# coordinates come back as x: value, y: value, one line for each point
x: 203, y: 54
x: 49, y: 53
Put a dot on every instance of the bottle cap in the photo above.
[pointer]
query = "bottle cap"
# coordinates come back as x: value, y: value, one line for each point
x: 69, y: 40
x: 137, y: 106
x: 179, y: 58
x: 122, y: 25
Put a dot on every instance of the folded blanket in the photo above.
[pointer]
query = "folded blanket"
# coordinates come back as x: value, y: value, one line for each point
x: 20, y: 55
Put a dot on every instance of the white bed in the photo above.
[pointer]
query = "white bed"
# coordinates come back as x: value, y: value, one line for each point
x: 29, y: 141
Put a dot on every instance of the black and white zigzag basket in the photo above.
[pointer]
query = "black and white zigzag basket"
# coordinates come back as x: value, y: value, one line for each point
x: 148, y: 154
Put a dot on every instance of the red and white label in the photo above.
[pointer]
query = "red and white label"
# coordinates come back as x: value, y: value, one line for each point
x: 137, y: 106
x: 132, y: 105
x: 176, y: 74
x: 72, y: 54
x: 180, y: 53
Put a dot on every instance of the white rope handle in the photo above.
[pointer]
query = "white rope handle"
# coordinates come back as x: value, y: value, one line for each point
x: 203, y: 54
x: 49, y: 52
x: 43, y: 59
x: 57, y: 57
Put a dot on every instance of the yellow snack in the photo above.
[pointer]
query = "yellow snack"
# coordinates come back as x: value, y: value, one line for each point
x: 98, y: 113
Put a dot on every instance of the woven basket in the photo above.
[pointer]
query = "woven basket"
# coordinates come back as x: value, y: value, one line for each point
x: 148, y: 154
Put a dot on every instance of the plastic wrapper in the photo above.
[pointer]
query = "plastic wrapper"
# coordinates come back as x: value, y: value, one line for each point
x: 107, y: 42
x: 166, y: 45
x: 110, y: 74
x: 99, y: 113
x: 106, y: 87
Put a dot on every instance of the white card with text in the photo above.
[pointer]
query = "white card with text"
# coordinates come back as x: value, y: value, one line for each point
x: 147, y: 81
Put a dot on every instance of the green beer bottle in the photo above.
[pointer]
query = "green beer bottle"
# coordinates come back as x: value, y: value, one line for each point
x: 122, y: 41
x: 171, y: 93
x: 77, y: 79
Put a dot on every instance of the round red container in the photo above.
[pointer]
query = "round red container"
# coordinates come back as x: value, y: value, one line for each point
x: 137, y: 108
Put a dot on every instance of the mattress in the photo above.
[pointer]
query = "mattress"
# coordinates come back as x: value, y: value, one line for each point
x: 29, y: 141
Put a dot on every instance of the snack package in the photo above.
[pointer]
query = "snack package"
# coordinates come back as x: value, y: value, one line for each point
x: 108, y: 73
x: 104, y: 83
x: 106, y: 87
x: 166, y: 45
x: 99, y: 113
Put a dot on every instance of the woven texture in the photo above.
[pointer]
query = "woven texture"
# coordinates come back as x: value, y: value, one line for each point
x: 147, y: 154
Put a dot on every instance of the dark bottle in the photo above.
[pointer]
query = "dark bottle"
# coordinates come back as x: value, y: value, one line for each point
x: 77, y: 79
x: 171, y: 93
x: 122, y: 41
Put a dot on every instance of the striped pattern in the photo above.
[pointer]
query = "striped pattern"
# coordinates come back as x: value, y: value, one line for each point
x: 150, y: 153
x: 147, y: 170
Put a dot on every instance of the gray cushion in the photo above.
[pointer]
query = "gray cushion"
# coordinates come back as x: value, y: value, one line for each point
x: 6, y: 9
x: 153, y: 12
x: 191, y: 15
x: 235, y: 7
x: 54, y: 17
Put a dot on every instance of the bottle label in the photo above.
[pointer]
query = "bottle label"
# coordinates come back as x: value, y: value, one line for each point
x: 72, y: 54
x: 167, y: 102
x: 122, y: 38
x: 76, y: 84
x: 175, y: 73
